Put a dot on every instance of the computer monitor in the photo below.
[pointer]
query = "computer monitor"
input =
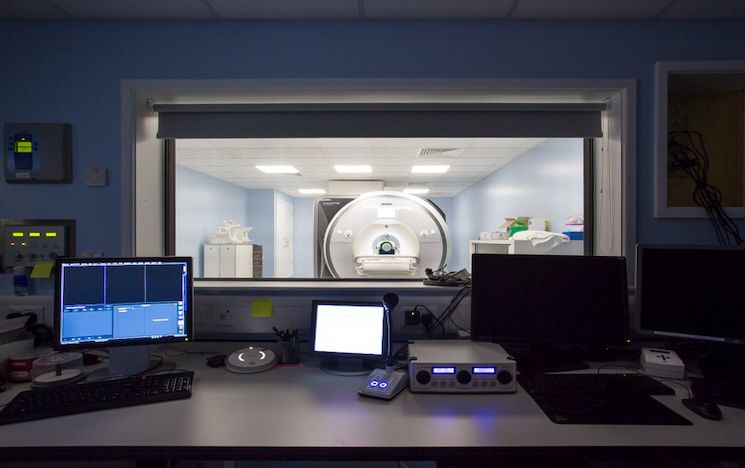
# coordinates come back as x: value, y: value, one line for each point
x: 694, y: 293
x: 350, y: 336
x: 116, y: 302
x: 543, y: 301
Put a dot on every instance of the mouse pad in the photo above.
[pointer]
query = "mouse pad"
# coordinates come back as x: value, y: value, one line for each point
x: 578, y: 409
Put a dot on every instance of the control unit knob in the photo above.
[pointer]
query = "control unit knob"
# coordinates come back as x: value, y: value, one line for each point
x: 423, y: 377
x: 504, y: 377
x: 463, y: 377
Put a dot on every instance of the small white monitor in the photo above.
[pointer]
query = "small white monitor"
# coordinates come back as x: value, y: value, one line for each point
x: 348, y: 329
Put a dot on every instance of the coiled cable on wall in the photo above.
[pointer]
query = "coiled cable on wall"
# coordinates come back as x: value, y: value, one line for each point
x: 688, y: 153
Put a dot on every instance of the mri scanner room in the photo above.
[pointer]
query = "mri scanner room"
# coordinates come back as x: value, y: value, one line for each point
x: 373, y: 208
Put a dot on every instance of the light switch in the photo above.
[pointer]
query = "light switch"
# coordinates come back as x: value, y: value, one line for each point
x: 95, y: 177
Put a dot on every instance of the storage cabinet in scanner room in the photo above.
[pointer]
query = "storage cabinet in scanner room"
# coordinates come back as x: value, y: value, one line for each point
x: 233, y: 261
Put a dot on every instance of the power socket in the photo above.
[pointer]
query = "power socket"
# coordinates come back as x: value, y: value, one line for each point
x: 412, y: 317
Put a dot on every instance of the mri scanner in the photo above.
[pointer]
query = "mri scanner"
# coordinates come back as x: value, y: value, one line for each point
x: 381, y: 234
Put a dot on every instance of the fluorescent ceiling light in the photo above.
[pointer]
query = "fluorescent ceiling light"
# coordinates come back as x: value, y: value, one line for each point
x: 311, y: 191
x: 344, y: 169
x: 278, y: 169
x: 416, y: 191
x: 429, y: 169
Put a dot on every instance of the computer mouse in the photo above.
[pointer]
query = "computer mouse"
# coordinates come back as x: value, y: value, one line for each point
x: 704, y: 408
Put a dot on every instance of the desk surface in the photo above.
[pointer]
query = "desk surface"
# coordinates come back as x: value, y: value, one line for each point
x: 305, y: 410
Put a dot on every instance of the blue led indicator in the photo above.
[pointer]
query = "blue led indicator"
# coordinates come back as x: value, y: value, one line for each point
x: 484, y: 370
x: 443, y: 370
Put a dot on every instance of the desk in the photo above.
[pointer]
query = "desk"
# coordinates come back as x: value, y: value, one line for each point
x: 303, y: 413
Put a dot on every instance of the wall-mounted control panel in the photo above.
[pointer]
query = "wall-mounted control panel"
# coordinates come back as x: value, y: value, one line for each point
x: 27, y: 242
x: 460, y: 367
x: 37, y: 153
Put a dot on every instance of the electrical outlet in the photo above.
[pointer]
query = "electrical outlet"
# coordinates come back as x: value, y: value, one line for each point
x: 25, y: 309
x: 412, y: 317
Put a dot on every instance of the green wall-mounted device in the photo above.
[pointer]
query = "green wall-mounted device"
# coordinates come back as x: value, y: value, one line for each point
x: 38, y: 153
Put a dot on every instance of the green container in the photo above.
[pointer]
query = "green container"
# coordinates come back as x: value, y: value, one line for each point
x: 514, y: 229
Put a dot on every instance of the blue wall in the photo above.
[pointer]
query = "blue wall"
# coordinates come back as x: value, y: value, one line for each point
x: 71, y: 71
x: 303, y: 240
x: 202, y: 202
x: 545, y: 182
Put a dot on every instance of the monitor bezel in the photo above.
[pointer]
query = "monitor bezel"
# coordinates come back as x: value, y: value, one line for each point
x: 327, y: 354
x: 188, y: 309
x: 621, y: 339
x: 639, y: 294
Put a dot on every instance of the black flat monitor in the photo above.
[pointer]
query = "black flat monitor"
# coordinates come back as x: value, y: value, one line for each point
x: 694, y: 293
x: 349, y: 336
x: 122, y: 302
x: 543, y: 301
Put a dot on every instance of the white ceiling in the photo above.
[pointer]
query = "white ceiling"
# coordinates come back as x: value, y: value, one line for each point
x: 372, y: 9
x: 233, y: 161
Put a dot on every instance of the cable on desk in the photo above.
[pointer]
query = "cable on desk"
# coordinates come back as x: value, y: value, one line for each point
x: 690, y: 395
x: 618, y: 366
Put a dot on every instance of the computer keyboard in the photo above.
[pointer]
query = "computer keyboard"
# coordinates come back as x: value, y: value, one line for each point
x: 593, y: 384
x: 94, y: 396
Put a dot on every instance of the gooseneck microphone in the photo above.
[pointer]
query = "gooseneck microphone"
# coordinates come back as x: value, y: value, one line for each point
x: 390, y: 301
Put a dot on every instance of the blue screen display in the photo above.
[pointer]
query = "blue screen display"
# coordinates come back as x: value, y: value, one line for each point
x: 443, y: 370
x: 110, y: 301
x: 484, y: 370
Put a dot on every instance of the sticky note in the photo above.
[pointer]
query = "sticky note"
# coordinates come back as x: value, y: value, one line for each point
x: 42, y: 270
x: 261, y: 308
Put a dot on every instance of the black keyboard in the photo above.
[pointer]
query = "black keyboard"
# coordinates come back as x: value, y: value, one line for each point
x: 593, y: 384
x: 94, y: 396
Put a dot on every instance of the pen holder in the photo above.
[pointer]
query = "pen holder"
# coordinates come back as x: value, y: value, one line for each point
x: 288, y: 352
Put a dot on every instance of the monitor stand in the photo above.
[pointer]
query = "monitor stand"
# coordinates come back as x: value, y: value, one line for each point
x: 546, y: 358
x: 125, y: 361
x: 347, y: 366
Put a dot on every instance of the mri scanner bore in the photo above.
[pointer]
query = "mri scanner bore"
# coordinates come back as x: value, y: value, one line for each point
x: 382, y: 234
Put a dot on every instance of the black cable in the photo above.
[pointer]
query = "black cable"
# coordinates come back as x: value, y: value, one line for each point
x: 690, y: 395
x: 448, y: 311
x: 688, y: 153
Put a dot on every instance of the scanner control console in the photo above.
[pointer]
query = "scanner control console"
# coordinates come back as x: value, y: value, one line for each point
x: 460, y: 367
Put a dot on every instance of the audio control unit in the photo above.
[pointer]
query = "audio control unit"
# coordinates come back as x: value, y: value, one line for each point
x: 460, y: 367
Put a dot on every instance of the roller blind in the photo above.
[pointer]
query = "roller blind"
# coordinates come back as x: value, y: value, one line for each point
x: 378, y: 120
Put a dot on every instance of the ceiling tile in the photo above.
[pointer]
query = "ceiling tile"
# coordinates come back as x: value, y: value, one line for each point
x: 298, y: 152
x: 391, y: 160
x: 489, y: 153
x: 192, y: 143
x: 234, y: 142
x: 589, y: 9
x: 289, y: 142
x: 286, y: 9
x: 437, y: 9
x: 500, y: 142
x: 709, y: 9
x: 30, y: 9
x: 136, y: 9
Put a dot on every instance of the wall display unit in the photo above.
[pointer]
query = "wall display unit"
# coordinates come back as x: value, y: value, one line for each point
x: 700, y: 134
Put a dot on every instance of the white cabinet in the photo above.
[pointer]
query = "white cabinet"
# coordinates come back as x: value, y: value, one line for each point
x: 523, y: 247
x: 233, y: 261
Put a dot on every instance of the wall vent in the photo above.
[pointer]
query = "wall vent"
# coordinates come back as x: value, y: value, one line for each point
x: 427, y: 153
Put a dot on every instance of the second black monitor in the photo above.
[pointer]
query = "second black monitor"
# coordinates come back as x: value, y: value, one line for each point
x: 549, y: 299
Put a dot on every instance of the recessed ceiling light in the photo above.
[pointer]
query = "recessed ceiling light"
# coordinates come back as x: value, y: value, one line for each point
x: 434, y: 169
x: 311, y: 191
x: 278, y: 169
x: 416, y: 191
x: 360, y: 169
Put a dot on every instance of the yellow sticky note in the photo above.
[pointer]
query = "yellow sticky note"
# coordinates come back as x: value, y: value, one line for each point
x: 261, y: 308
x: 42, y: 270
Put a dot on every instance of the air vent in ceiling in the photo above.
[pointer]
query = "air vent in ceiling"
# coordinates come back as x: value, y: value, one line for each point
x: 427, y: 153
